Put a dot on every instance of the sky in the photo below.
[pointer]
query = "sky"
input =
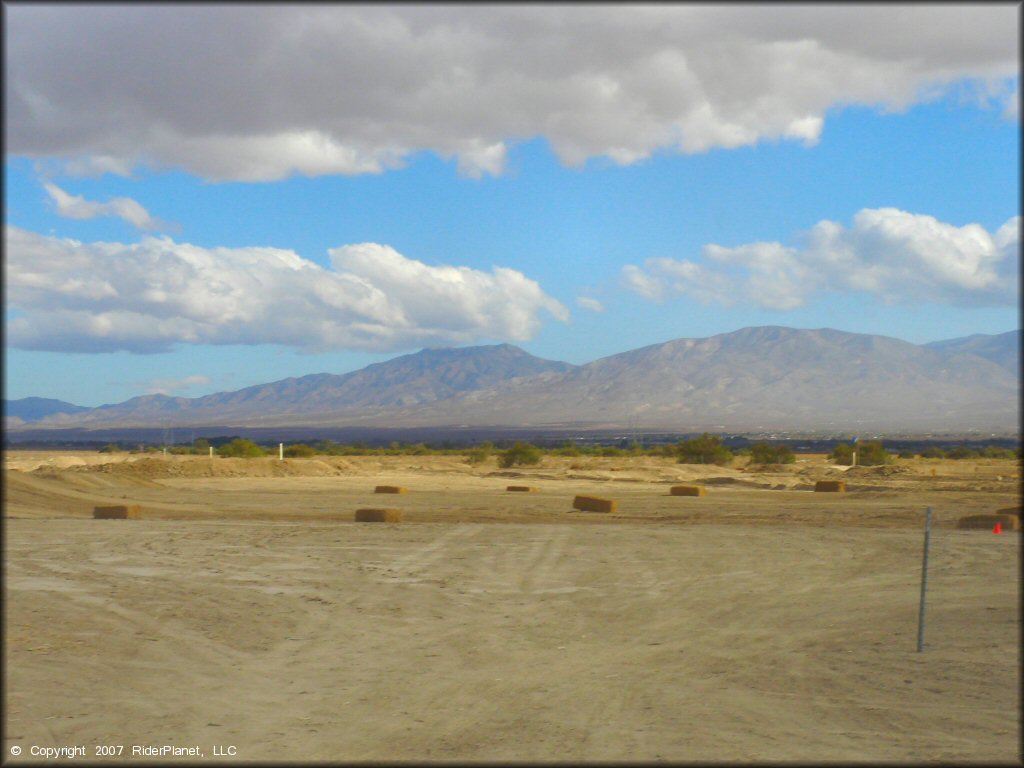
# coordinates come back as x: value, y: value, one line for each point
x: 200, y: 198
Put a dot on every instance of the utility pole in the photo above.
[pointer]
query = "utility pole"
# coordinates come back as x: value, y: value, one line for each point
x: 924, y: 578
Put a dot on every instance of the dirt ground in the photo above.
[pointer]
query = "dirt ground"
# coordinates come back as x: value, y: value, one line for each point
x: 248, y: 617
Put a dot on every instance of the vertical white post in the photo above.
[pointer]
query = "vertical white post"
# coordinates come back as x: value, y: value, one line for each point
x: 211, y: 451
x: 280, y: 451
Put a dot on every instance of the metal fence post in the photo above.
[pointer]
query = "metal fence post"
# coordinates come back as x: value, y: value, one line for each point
x: 924, y: 578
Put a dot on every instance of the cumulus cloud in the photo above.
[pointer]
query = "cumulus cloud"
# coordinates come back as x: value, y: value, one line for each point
x: 899, y: 257
x: 263, y: 92
x: 586, y: 302
x: 149, y: 296
x: 170, y: 386
x: 77, y: 207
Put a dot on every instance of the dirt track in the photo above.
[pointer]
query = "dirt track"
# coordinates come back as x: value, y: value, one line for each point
x: 749, y: 624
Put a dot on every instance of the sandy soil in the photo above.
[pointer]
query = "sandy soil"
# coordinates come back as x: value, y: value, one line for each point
x: 762, y: 622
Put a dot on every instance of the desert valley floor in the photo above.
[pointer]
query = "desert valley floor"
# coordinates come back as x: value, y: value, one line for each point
x: 247, y: 614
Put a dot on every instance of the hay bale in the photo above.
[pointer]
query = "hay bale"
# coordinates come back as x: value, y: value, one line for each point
x: 988, y: 522
x: 390, y: 489
x: 378, y: 515
x: 830, y: 486
x: 522, y: 488
x: 687, y: 490
x: 595, y: 504
x: 117, y: 512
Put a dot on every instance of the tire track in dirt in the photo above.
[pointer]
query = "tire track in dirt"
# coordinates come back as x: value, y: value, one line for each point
x: 414, y: 567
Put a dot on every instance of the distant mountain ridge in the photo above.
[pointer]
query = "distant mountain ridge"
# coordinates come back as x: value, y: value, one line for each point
x: 36, y: 408
x: 421, y: 377
x: 769, y: 377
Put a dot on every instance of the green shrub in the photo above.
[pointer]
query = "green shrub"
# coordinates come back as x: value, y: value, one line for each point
x: 110, y: 448
x: 520, y: 453
x: 961, y: 452
x: 933, y: 452
x: 762, y: 453
x: 481, y: 453
x: 241, y: 448
x: 868, y: 454
x: 997, y: 452
x: 299, y: 451
x: 905, y: 454
x: 568, y: 448
x: 706, y: 449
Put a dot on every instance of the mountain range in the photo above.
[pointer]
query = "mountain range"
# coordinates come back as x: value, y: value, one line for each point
x: 749, y: 380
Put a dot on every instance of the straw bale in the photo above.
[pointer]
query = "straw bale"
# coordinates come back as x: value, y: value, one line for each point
x: 833, y: 486
x: 988, y: 522
x: 118, y: 512
x: 522, y: 488
x: 390, y: 489
x: 595, y: 504
x: 687, y: 490
x: 378, y: 515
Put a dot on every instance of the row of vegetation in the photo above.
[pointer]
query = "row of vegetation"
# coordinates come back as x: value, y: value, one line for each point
x: 706, y: 449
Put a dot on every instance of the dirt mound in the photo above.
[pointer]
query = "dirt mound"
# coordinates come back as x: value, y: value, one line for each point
x: 742, y: 482
x: 173, y: 467
x: 883, y: 470
x: 84, y: 479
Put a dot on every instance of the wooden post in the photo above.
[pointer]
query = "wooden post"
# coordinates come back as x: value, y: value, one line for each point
x: 924, y: 578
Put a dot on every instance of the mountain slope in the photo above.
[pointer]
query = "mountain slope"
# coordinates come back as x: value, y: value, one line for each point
x: 762, y: 378
x: 1002, y: 349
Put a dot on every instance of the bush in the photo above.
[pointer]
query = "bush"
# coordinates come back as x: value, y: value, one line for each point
x: 996, y: 452
x: 568, y: 448
x: 480, y: 453
x: 520, y: 453
x: 933, y: 452
x: 961, y: 452
x: 299, y: 451
x: 241, y: 448
x: 868, y: 454
x: 905, y: 454
x: 705, y: 449
x: 110, y: 448
x: 762, y: 453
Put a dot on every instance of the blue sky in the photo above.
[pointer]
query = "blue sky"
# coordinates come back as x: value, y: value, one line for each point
x: 597, y: 198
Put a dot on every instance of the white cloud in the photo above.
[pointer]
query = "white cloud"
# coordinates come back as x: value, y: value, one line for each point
x: 170, y: 386
x: 262, y: 92
x: 586, y: 302
x: 899, y: 257
x: 643, y: 283
x: 77, y: 207
x: 149, y: 296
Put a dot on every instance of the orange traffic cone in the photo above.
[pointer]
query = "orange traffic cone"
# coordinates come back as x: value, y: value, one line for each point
x: 998, y: 528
